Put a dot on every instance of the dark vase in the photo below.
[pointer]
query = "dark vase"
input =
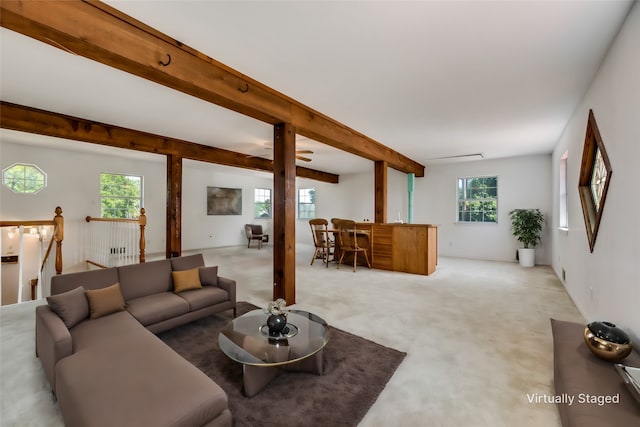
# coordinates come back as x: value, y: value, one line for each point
x: 276, y: 323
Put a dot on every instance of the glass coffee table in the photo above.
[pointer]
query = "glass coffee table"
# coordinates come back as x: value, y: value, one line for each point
x: 246, y: 340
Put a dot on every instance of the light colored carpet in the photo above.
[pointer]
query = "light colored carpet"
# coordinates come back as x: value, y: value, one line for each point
x: 477, y: 335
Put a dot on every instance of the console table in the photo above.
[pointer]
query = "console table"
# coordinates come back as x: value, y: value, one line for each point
x: 577, y: 373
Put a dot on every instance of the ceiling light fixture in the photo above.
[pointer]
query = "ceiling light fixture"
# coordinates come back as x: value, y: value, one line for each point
x: 470, y: 156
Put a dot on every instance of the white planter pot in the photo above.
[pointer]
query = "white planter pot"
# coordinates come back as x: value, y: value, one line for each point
x: 527, y: 257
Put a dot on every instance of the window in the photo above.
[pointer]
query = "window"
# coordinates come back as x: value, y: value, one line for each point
x: 121, y: 195
x: 262, y: 203
x: 24, y: 178
x: 306, y: 203
x: 478, y: 199
x: 563, y: 217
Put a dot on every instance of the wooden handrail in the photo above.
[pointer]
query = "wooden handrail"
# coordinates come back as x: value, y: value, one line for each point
x: 33, y: 223
x: 46, y: 255
x: 91, y: 218
x: 96, y: 264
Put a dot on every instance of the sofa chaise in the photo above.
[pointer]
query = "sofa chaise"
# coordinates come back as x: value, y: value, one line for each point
x: 96, y: 341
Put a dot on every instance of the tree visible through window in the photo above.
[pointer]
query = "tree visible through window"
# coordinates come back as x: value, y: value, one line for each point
x: 306, y: 203
x: 121, y: 195
x: 24, y: 178
x: 478, y: 199
x: 262, y: 203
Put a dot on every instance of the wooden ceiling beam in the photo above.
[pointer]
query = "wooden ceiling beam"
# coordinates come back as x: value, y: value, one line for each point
x: 33, y: 120
x: 99, y: 32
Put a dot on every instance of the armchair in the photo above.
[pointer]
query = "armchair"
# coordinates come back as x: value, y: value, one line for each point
x: 254, y: 232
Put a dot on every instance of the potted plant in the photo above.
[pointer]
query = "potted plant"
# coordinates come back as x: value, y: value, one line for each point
x: 526, y: 225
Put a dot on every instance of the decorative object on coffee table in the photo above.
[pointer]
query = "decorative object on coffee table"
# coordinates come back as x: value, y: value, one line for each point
x: 277, y: 320
x: 607, y: 341
x: 276, y: 324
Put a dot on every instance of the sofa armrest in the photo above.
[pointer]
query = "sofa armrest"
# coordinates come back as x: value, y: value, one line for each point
x: 228, y: 285
x: 53, y: 341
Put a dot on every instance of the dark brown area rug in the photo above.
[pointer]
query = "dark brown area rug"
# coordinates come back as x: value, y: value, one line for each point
x: 356, y: 370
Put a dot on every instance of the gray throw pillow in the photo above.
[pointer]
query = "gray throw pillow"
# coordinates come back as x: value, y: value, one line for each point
x: 71, y: 306
x: 209, y: 276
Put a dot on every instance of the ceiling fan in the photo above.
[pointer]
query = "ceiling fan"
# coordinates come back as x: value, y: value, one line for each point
x: 299, y: 153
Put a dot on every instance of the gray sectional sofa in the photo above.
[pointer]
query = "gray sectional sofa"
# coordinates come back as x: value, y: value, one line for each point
x: 95, y: 340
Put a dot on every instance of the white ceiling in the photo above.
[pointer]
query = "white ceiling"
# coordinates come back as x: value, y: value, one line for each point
x: 429, y: 79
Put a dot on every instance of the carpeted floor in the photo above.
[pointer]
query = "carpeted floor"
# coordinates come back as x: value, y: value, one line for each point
x: 356, y: 370
x: 476, y: 334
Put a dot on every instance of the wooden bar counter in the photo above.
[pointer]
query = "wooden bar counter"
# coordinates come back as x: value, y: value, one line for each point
x: 411, y: 248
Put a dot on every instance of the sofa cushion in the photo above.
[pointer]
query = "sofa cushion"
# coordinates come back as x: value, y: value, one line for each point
x: 135, y: 381
x: 209, y: 276
x: 187, y: 262
x: 93, y: 279
x: 71, y: 306
x: 186, y: 279
x: 204, y: 297
x: 138, y: 280
x: 155, y: 308
x: 103, y: 331
x: 105, y: 301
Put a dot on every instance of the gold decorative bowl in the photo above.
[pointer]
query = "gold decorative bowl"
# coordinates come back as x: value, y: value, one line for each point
x: 606, y: 341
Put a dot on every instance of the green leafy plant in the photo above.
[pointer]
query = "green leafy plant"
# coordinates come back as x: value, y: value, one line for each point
x: 526, y: 225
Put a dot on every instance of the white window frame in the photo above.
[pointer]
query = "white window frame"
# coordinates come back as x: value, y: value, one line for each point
x: 260, y: 199
x: 302, y: 201
x: 563, y: 212
x: 458, y: 199
x: 141, y: 198
x: 24, y: 178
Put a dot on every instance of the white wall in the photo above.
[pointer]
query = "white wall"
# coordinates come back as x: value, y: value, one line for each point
x: 523, y: 182
x: 73, y: 183
x: 397, y: 197
x: 200, y: 230
x: 329, y: 203
x: 605, y: 284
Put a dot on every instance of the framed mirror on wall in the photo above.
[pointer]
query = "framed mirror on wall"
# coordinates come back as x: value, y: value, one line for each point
x: 595, y: 176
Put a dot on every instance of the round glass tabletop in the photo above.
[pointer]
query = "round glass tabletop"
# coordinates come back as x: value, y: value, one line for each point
x: 245, y: 340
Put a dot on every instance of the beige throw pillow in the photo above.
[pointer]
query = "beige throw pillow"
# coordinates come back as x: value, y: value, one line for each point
x: 105, y: 301
x: 186, y: 279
